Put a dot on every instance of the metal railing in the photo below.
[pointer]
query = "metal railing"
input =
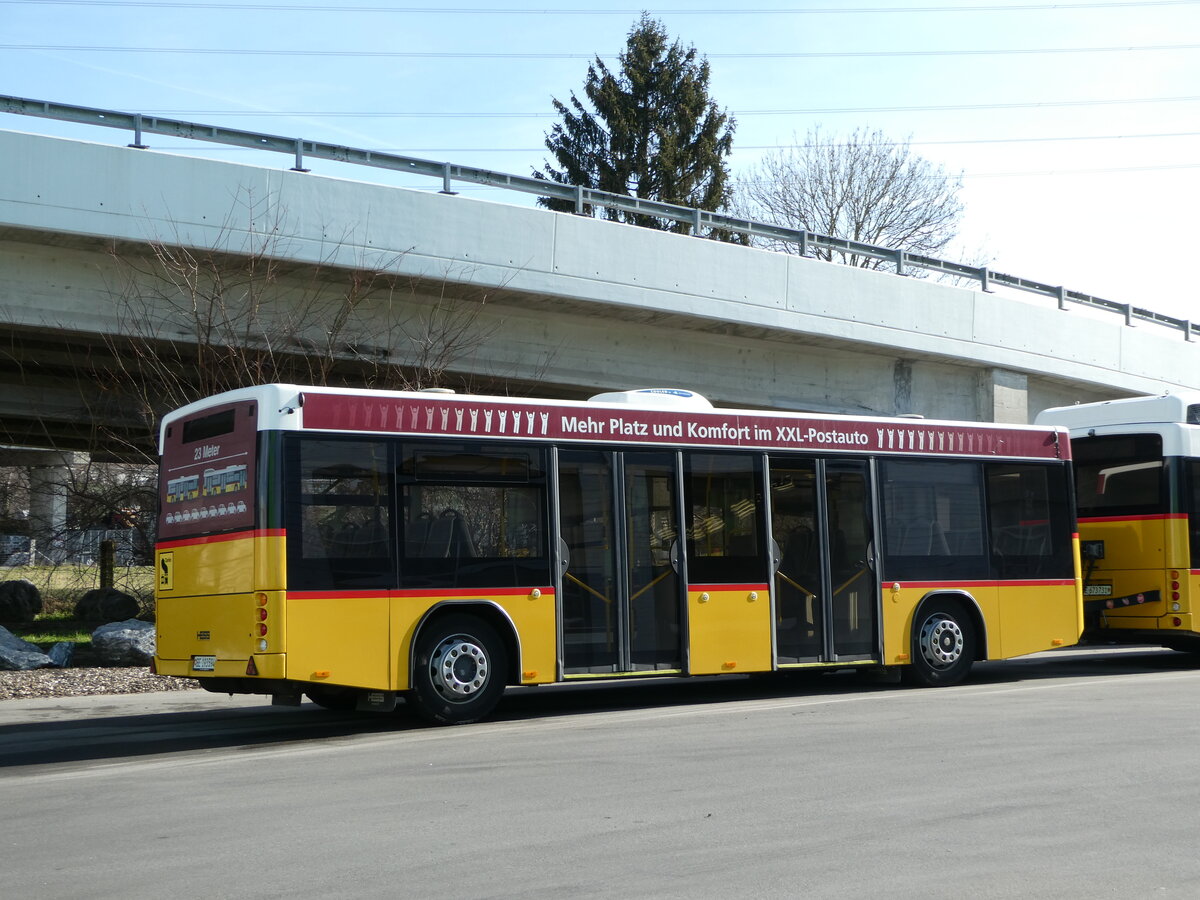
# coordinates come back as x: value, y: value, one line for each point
x: 579, y: 197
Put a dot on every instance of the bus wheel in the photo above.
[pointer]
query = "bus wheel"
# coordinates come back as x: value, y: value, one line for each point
x: 460, y: 670
x: 943, y: 646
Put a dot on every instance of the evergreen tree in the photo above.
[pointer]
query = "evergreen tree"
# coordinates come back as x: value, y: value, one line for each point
x: 654, y: 134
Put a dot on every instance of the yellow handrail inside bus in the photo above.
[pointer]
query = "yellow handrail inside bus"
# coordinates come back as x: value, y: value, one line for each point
x: 587, y: 588
x: 801, y: 588
x: 652, y: 584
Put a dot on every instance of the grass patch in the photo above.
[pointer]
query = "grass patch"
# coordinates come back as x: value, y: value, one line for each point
x: 48, y: 632
x: 62, y: 586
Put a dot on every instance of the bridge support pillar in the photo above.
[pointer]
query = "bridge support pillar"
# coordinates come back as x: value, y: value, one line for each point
x: 1003, y: 396
x: 49, y: 474
x: 48, y: 506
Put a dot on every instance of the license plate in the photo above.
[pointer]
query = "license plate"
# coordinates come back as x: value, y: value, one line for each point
x: 1097, y: 590
x: 204, y: 663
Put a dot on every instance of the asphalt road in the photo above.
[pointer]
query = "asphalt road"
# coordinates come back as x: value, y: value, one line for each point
x: 1073, y: 774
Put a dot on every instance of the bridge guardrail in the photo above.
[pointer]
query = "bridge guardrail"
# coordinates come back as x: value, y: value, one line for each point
x: 581, y: 197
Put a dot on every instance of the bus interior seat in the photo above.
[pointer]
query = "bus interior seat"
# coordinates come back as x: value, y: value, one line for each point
x: 355, y: 539
x: 1022, y: 540
x: 439, y: 537
x: 923, y: 537
x: 461, y: 542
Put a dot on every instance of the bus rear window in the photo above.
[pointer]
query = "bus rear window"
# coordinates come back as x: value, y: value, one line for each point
x: 206, y: 480
x: 210, y: 426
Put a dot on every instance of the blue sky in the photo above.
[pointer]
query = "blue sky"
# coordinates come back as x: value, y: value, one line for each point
x: 1075, y: 125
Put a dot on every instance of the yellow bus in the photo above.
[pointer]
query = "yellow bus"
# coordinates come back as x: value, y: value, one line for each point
x: 439, y: 547
x: 1137, y: 476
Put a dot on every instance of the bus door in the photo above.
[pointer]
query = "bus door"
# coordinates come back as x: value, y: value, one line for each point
x: 618, y: 531
x: 826, y: 593
x: 728, y: 564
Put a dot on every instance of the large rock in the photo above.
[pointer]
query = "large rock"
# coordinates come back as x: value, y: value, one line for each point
x: 128, y: 643
x: 16, y: 654
x: 106, y: 605
x: 61, y: 653
x: 20, y: 601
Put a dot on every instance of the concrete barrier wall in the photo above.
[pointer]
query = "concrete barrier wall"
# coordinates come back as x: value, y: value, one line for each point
x: 601, y: 304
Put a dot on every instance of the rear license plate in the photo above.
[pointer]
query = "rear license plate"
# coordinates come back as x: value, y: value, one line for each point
x: 204, y: 663
x: 1097, y: 590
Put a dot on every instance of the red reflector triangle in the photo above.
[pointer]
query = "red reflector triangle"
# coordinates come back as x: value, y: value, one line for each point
x: 251, y: 668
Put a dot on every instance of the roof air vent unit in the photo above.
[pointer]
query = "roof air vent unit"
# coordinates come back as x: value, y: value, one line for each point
x: 654, y: 398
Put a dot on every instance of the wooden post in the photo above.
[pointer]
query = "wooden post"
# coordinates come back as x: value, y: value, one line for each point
x: 108, y: 563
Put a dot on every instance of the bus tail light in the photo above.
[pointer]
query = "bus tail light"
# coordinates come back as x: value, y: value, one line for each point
x: 260, y: 600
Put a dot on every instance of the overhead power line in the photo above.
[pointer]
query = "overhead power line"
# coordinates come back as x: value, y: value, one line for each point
x: 739, y: 147
x: 436, y: 54
x: 549, y: 114
x: 947, y: 143
x: 541, y: 11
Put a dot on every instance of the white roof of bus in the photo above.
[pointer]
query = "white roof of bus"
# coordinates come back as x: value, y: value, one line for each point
x: 1164, y: 414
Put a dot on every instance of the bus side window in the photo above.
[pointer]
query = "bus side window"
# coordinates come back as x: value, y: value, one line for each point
x: 473, y: 516
x: 933, y: 519
x: 1027, y: 507
x: 339, y: 513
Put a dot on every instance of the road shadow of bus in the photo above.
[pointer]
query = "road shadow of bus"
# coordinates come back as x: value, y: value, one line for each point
x: 1086, y: 661
x: 54, y: 736
x: 96, y: 739
x: 609, y: 696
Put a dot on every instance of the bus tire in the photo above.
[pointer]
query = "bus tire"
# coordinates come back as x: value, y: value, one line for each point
x: 943, y: 645
x: 459, y: 671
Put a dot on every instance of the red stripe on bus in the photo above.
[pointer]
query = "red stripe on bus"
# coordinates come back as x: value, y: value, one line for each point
x: 220, y: 538
x: 1157, y: 516
x: 1024, y: 582
x: 420, y: 592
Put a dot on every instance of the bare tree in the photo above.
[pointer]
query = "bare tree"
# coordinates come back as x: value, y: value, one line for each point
x: 196, y: 322
x: 864, y: 188
x: 188, y: 322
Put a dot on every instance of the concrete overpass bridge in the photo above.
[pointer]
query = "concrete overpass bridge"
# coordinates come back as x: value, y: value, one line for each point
x: 574, y: 305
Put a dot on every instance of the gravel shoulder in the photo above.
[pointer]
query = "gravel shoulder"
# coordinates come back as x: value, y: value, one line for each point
x: 86, y: 681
